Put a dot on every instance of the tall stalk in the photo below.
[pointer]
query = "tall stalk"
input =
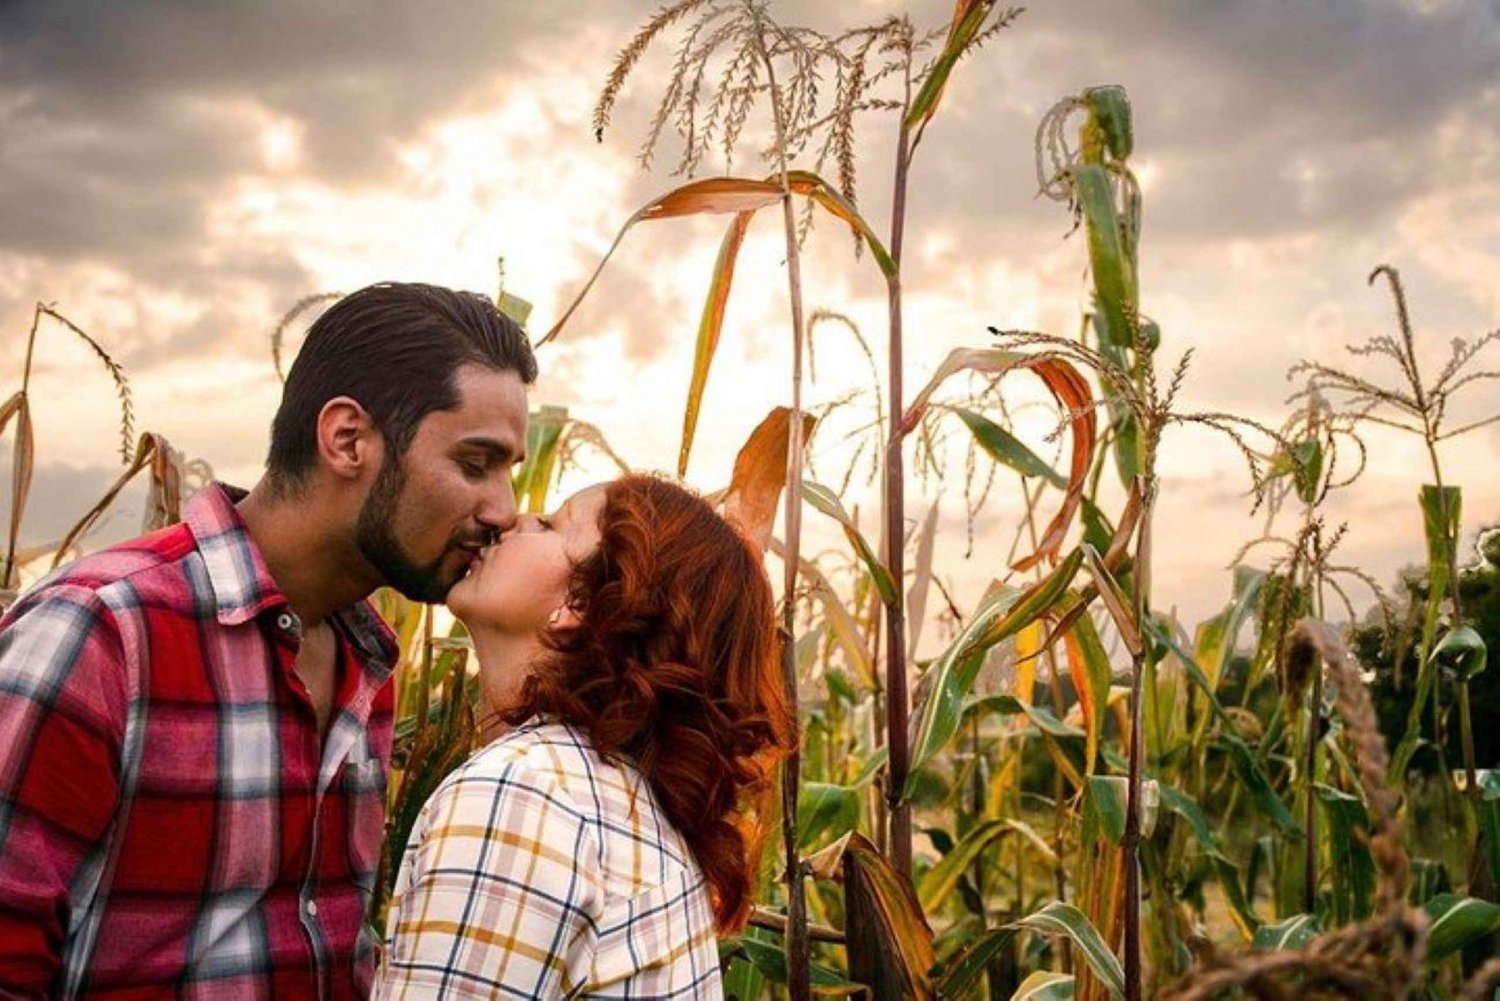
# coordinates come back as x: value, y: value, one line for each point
x: 897, y: 701
x: 1142, y: 575
x: 797, y: 947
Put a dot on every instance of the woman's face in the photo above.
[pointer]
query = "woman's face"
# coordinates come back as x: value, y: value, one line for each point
x: 519, y: 582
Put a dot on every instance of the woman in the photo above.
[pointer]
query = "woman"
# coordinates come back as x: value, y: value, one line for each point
x: 594, y: 848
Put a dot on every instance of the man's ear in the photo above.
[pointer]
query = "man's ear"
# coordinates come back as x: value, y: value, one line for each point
x: 349, y: 445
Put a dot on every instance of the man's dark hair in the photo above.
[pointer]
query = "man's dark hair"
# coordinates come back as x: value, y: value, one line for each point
x: 395, y: 348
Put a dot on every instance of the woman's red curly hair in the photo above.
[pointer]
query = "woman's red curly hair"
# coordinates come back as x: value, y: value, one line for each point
x: 673, y: 666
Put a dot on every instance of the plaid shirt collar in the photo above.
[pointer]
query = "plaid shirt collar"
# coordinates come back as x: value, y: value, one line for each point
x: 243, y: 588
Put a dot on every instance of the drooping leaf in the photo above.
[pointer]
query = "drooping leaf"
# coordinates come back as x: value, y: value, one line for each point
x: 1456, y: 921
x: 1009, y: 705
x: 1111, y: 110
x: 1002, y: 613
x: 770, y: 961
x: 760, y: 474
x: 887, y: 936
x: 1254, y: 782
x: 152, y: 453
x: 1291, y: 934
x: 1058, y: 918
x: 1461, y: 651
x: 823, y: 194
x: 711, y: 196
x: 1072, y: 393
x: 846, y: 632
x: 1008, y: 450
x: 1188, y: 809
x: 827, y: 502
x: 1116, y: 602
x: 1044, y: 985
x: 942, y: 878
x: 710, y: 324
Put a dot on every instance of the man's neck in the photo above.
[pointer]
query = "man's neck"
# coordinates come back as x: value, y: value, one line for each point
x: 309, y: 555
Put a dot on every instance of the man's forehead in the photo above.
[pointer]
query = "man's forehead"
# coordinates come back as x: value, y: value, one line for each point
x: 491, y: 404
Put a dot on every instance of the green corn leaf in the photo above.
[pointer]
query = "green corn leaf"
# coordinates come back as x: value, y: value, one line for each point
x: 1347, y: 843
x: 827, y: 502
x: 1188, y: 809
x: 961, y: 974
x: 1111, y: 110
x: 940, y: 880
x: 1006, y: 449
x: 1489, y: 818
x: 1456, y: 921
x: 1058, y: 918
x: 968, y: 18
x: 1440, y: 522
x: 1001, y: 614
x: 1255, y: 782
x: 770, y: 960
x: 1107, y: 256
x: 1105, y: 803
x: 1462, y: 652
x: 1289, y: 935
x: 1044, y: 985
x: 1214, y: 643
x: 825, y: 812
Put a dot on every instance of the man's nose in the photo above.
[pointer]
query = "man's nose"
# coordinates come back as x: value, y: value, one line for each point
x: 498, y: 512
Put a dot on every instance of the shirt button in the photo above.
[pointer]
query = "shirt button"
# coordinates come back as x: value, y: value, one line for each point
x: 287, y: 623
x: 312, y: 908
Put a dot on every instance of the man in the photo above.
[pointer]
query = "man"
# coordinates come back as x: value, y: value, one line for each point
x: 195, y: 726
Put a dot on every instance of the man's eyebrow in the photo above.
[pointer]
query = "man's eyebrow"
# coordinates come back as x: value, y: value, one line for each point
x: 497, y: 449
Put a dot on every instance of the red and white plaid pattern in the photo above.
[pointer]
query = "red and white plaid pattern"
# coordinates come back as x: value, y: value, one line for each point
x: 170, y: 821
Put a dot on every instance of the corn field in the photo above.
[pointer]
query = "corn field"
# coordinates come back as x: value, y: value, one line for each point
x: 1079, y: 796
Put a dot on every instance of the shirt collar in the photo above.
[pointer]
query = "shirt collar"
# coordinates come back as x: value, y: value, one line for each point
x: 243, y: 587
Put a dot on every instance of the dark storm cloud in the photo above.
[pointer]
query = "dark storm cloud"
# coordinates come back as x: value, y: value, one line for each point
x: 125, y: 123
x: 1262, y: 117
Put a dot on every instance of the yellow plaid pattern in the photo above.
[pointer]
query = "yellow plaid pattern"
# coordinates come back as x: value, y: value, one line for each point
x: 539, y: 870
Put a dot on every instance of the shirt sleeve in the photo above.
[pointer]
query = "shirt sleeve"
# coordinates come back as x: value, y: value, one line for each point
x: 502, y: 892
x: 62, y: 717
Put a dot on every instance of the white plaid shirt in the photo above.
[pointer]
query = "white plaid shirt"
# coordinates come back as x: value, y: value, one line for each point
x: 539, y: 870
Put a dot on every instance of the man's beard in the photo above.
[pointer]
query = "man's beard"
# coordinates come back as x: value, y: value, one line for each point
x: 375, y: 535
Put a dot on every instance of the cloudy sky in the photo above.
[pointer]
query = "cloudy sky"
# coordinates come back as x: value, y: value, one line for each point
x: 175, y: 175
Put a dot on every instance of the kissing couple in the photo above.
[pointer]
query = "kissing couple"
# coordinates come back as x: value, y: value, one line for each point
x: 196, y: 725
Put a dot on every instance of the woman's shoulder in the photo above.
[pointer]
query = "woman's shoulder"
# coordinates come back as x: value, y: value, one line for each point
x: 609, y: 795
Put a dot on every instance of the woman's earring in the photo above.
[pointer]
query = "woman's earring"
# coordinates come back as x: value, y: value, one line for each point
x: 555, y: 617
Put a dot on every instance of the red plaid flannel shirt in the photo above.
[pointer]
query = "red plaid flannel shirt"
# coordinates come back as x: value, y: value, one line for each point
x: 170, y: 821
